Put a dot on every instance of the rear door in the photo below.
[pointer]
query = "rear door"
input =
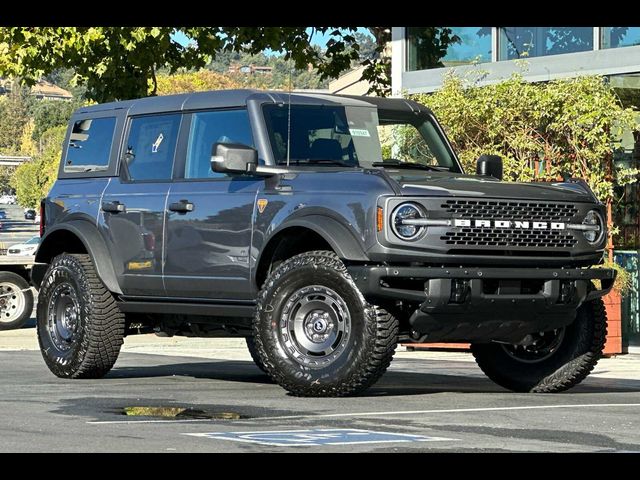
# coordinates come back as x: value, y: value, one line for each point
x: 209, y: 214
x: 133, y: 204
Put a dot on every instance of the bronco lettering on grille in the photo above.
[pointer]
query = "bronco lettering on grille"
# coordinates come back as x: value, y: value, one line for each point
x: 518, y: 224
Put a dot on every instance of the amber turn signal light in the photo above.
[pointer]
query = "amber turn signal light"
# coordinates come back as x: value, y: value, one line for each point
x: 380, y: 219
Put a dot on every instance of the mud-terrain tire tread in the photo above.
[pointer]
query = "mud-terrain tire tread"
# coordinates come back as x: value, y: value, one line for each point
x: 373, y: 359
x: 251, y: 346
x: 590, y: 338
x: 104, y: 328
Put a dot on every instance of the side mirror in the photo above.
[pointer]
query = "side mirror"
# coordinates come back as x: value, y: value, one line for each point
x: 490, y: 166
x: 233, y: 158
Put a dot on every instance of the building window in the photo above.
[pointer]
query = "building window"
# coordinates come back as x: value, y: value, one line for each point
x: 614, y: 37
x: 434, y: 47
x: 522, y: 42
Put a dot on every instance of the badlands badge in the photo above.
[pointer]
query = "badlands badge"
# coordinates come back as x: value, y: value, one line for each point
x: 262, y: 203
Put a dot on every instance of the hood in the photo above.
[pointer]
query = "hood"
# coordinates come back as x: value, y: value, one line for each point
x: 445, y: 184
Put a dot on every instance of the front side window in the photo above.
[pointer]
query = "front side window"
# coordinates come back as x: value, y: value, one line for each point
x: 207, y: 128
x: 151, y: 146
x: 354, y: 137
x: 89, y: 146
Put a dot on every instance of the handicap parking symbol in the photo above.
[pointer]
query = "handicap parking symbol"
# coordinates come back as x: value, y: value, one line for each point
x: 317, y: 437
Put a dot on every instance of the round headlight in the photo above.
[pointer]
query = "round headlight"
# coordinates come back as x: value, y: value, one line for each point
x: 594, y: 236
x: 406, y: 211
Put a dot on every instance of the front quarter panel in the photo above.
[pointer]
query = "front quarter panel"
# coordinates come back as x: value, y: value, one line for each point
x: 338, y: 205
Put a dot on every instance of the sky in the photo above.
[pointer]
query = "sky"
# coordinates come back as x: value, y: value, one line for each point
x: 317, y: 39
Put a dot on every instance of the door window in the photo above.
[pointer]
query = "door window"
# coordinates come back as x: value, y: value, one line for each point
x: 151, y: 147
x: 207, y: 128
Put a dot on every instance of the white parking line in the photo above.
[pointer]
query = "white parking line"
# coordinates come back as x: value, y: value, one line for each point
x: 382, y: 414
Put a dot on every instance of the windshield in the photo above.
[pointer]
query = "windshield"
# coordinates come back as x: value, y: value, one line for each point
x: 355, y: 136
x: 33, y: 241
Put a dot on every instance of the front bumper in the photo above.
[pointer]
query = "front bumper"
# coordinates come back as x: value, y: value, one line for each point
x: 484, y: 304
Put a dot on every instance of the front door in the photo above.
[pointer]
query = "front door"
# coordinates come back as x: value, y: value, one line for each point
x: 209, y: 215
x: 133, y: 205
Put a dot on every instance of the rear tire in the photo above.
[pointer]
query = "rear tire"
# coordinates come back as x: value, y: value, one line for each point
x: 315, y: 333
x: 80, y: 327
x: 16, y: 301
x: 560, y: 366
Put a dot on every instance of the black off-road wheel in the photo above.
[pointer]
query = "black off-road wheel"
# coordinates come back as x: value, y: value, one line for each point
x: 80, y: 327
x: 16, y: 301
x: 314, y: 332
x: 251, y: 346
x: 557, y: 361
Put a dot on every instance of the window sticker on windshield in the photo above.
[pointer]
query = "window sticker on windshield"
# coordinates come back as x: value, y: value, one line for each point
x: 359, y: 132
x: 156, y: 144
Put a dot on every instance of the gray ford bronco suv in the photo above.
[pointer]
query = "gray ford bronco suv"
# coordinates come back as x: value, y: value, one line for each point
x: 323, y: 229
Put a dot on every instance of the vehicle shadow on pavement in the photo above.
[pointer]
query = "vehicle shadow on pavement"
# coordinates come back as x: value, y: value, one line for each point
x: 393, y: 383
x: 229, y: 371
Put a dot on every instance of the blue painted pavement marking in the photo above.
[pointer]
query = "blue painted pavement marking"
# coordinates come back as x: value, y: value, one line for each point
x: 318, y: 436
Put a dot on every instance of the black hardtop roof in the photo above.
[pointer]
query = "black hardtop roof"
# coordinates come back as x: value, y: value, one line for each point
x: 239, y: 97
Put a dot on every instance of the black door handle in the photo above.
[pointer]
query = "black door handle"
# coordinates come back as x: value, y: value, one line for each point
x: 183, y: 206
x: 113, y: 207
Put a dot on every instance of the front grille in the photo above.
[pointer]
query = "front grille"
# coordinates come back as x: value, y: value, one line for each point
x: 3, y: 251
x: 509, y: 237
x: 496, y: 210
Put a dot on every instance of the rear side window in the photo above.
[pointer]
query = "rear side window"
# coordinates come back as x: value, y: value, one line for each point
x: 90, y: 145
x: 151, y: 147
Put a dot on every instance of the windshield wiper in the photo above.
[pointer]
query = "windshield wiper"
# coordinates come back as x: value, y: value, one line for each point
x: 308, y: 161
x: 330, y: 162
x: 398, y: 164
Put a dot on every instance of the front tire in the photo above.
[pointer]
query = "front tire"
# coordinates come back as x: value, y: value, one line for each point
x: 315, y: 333
x: 561, y: 361
x: 16, y: 301
x: 80, y: 327
x: 251, y: 346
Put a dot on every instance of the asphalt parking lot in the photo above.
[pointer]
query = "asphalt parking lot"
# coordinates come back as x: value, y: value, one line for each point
x: 428, y: 401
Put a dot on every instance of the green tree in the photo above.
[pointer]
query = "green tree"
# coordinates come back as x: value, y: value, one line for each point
x: 47, y: 114
x: 14, y: 115
x: 25, y: 184
x: 32, y: 180
x: 368, y: 46
x: 6, y: 173
x: 122, y: 62
x: 194, y: 82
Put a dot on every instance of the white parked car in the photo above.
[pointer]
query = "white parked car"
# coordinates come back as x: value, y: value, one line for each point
x: 27, y: 248
x: 7, y: 200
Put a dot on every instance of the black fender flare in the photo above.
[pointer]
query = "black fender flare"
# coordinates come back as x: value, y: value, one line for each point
x: 341, y: 239
x: 94, y: 244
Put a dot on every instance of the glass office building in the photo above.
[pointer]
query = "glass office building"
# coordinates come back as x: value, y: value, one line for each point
x: 422, y: 55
